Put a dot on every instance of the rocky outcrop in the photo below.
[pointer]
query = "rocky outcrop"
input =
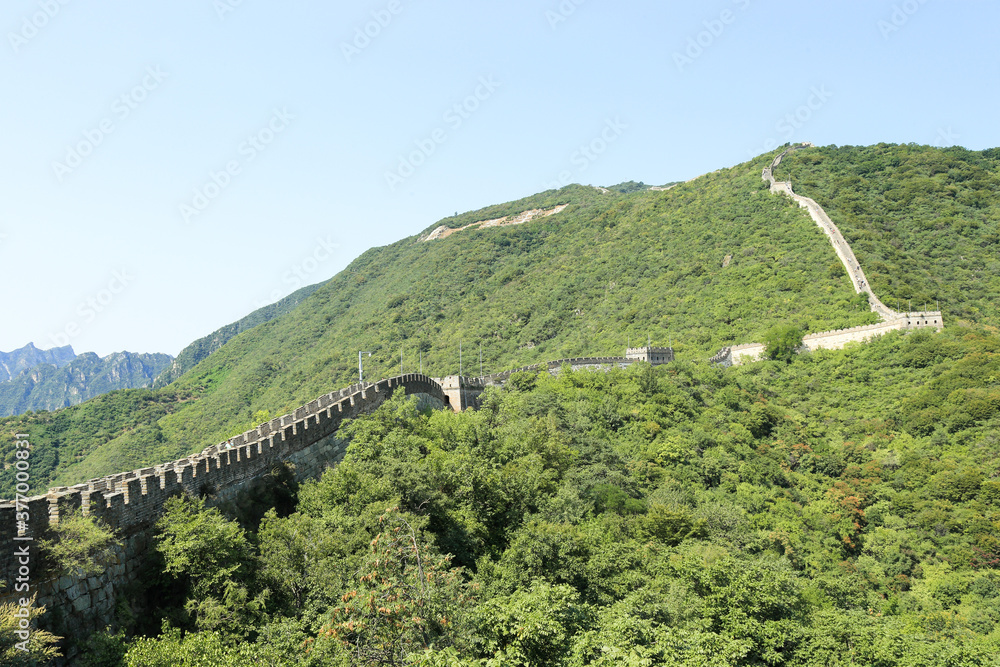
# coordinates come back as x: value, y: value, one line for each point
x: 50, y: 387
x: 13, y: 364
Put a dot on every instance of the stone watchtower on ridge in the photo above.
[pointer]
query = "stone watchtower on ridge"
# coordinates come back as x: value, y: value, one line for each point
x: 654, y: 355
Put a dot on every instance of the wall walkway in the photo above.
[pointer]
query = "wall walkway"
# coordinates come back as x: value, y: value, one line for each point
x: 831, y: 340
x: 131, y: 502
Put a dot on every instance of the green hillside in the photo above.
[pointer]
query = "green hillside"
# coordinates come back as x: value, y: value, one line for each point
x: 838, y: 508
x: 707, y: 263
x: 773, y: 514
x: 924, y: 222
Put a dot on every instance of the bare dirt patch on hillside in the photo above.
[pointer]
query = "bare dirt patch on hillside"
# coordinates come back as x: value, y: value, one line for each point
x: 519, y: 219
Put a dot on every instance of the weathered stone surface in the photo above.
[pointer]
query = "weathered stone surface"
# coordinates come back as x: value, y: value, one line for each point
x: 82, y: 603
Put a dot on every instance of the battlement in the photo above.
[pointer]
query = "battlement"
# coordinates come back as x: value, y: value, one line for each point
x: 130, y: 502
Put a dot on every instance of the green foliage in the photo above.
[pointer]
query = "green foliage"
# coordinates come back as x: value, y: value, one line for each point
x: 533, y: 626
x: 41, y: 645
x: 783, y: 342
x: 103, y: 649
x: 842, y: 509
x: 558, y: 287
x: 767, y: 514
x: 210, y: 554
x: 202, y: 649
x: 922, y: 221
x: 95, y: 428
x: 408, y: 600
x: 80, y: 545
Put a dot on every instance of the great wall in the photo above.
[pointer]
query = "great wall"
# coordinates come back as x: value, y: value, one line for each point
x: 832, y: 340
x: 131, y: 502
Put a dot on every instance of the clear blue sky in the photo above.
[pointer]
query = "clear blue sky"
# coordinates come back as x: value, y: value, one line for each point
x: 114, y: 113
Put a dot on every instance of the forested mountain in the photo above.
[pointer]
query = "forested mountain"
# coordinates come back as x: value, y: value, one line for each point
x: 191, y: 355
x: 14, y: 363
x: 714, y: 261
x: 924, y: 222
x: 49, y: 387
x: 840, y: 508
x: 773, y: 514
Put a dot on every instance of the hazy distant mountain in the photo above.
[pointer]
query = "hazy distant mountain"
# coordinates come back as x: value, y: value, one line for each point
x: 14, y: 363
x: 49, y: 386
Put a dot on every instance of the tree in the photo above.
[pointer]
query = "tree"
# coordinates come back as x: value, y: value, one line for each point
x: 533, y: 626
x: 408, y: 600
x: 41, y: 645
x: 212, y: 556
x: 80, y: 544
x: 782, y: 342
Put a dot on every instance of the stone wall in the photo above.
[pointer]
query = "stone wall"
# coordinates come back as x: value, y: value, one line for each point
x: 834, y: 340
x: 577, y: 363
x: 831, y: 340
x: 131, y: 502
x: 837, y: 240
x: 463, y: 392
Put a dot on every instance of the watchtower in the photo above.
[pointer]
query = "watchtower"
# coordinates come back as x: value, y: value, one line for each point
x: 654, y: 355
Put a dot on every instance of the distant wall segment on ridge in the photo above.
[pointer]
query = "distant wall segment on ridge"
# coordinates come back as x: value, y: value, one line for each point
x: 840, y: 245
x: 834, y: 340
x: 463, y: 392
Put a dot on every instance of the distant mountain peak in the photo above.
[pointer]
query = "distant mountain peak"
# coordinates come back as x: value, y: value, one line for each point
x: 50, y: 386
x: 13, y: 364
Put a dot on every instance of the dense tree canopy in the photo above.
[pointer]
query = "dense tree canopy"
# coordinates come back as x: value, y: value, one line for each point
x: 781, y: 513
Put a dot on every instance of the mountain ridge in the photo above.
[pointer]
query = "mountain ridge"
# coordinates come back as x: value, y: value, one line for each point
x: 51, y: 387
x: 194, y: 353
x: 16, y: 362
x: 708, y: 263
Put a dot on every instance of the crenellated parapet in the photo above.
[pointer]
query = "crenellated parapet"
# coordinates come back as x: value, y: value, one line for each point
x: 131, y: 502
